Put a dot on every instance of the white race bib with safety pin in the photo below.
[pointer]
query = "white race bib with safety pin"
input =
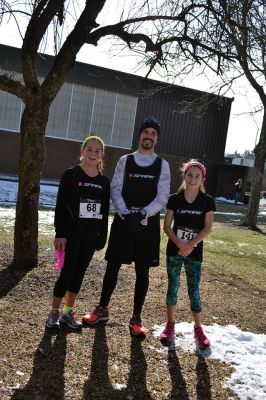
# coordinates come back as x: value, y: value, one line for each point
x: 185, y: 234
x: 89, y: 209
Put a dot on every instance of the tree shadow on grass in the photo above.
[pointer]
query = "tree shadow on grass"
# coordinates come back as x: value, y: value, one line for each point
x: 47, y: 378
x: 99, y: 385
x: 179, y: 387
x: 9, y: 278
x: 254, y: 228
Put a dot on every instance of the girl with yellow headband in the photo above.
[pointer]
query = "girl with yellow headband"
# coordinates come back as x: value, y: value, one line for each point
x: 81, y: 224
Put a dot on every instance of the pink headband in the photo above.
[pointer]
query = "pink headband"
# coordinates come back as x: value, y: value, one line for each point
x: 198, y: 165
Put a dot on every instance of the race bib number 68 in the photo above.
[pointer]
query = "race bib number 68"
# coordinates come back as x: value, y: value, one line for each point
x: 89, y: 209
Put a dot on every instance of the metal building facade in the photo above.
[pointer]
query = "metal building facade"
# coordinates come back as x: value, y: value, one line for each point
x: 186, y: 134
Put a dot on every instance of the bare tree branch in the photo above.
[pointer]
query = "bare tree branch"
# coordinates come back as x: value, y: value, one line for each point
x: 12, y: 86
x: 70, y: 48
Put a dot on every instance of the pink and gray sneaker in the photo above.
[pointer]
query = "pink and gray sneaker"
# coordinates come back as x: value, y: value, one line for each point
x: 201, y: 338
x: 168, y: 334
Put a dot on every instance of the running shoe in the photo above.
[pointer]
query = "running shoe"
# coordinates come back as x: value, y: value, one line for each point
x: 52, y: 321
x: 200, y: 338
x: 70, y: 320
x: 98, y: 314
x: 136, y: 328
x: 168, y: 334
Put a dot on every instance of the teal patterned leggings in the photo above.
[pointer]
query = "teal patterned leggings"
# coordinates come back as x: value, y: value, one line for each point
x: 193, y: 274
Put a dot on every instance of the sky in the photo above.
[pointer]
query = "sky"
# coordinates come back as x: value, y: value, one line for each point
x: 245, y: 351
x: 243, y: 130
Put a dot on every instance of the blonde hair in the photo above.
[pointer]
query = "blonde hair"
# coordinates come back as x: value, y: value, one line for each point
x: 84, y: 145
x: 184, y: 170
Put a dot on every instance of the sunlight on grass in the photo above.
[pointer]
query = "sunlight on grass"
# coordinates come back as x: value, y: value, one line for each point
x: 237, y: 252
x: 235, y: 213
x: 233, y: 251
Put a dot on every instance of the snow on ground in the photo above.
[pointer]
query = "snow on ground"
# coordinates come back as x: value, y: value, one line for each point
x: 229, y: 201
x: 225, y: 200
x: 9, y: 189
x: 8, y: 197
x: 245, y: 351
x: 48, y: 193
x: 46, y: 220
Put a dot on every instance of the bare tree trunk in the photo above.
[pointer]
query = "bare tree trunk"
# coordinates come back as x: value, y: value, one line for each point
x: 260, y: 155
x: 32, y: 156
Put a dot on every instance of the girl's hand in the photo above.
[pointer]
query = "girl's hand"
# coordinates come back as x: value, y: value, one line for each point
x: 185, y: 249
x: 60, y: 244
x: 185, y: 253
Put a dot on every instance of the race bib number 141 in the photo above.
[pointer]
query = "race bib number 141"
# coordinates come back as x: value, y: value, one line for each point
x: 185, y: 235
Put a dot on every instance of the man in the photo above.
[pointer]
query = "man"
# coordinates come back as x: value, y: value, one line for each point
x: 139, y: 189
x: 238, y: 186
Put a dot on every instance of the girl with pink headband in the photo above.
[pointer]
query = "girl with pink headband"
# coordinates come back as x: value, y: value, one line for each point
x: 188, y: 221
x: 196, y: 164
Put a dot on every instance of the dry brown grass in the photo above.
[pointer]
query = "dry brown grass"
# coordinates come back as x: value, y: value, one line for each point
x: 105, y: 362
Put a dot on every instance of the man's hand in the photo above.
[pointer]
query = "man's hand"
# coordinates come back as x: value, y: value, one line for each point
x: 132, y: 222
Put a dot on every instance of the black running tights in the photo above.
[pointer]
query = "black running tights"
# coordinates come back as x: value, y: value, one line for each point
x: 141, y: 285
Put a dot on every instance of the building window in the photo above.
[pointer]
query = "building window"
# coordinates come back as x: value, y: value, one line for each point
x: 103, y: 114
x: 59, y: 113
x: 10, y: 112
x: 124, y: 121
x: 79, y: 111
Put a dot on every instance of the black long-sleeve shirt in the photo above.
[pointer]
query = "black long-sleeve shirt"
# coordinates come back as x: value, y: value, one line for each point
x: 77, y: 195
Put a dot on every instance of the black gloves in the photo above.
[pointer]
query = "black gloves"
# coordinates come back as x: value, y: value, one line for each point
x: 132, y: 221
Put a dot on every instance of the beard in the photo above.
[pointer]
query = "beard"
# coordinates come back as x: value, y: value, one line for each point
x: 147, y: 144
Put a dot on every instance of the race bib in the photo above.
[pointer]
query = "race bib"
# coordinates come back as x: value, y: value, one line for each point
x: 185, y: 234
x: 89, y: 209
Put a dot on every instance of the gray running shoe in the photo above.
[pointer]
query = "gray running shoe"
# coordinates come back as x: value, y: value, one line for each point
x: 52, y: 321
x: 70, y: 320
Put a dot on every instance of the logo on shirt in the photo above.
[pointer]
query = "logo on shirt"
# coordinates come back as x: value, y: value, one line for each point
x: 142, y: 176
x: 90, y: 185
x: 191, y: 212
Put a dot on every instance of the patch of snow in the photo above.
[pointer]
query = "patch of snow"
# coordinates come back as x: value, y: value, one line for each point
x: 245, y: 351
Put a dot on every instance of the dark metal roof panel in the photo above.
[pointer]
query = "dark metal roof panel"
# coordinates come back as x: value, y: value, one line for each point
x: 186, y: 134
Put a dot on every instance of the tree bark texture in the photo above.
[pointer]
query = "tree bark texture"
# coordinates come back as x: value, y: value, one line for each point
x: 31, y: 161
x: 260, y: 156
